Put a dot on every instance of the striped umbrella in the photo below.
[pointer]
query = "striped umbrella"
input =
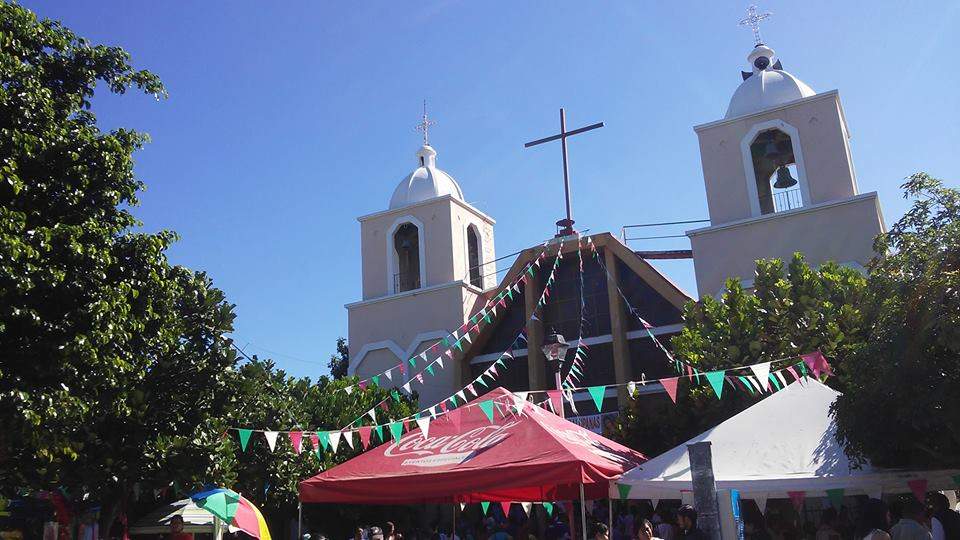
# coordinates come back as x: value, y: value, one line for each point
x: 234, y: 510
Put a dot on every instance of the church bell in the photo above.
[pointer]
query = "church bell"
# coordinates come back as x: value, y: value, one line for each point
x: 784, y: 180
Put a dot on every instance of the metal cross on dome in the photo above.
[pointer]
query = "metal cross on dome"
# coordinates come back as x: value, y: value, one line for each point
x: 424, y: 125
x: 753, y: 20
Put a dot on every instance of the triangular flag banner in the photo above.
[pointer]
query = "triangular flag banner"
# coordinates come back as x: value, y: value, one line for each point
x: 315, y: 441
x: 424, y: 424
x: 624, y: 490
x: 794, y: 373
x: 375, y: 380
x: 487, y: 408
x: 716, y: 381
x: 776, y: 382
x: 430, y: 369
x: 462, y: 396
x: 485, y: 505
x: 395, y: 395
x: 520, y: 401
x: 632, y: 389
x: 783, y: 380
x: 440, y: 362
x: 396, y: 429
x: 555, y: 401
x: 836, y: 497
x: 462, y: 506
x: 373, y: 415
x: 471, y: 389
x: 761, y: 501
x: 334, y: 440
x: 348, y: 436
x: 296, y: 438
x: 406, y: 388
x: 762, y: 371
x: 244, y: 438
x: 271, y: 437
x: 816, y: 362
x: 797, y: 498
x: 527, y: 507
x: 365, y: 436
x: 348, y: 390
x: 549, y: 508
x: 919, y: 488
x: 746, y: 384
x: 389, y: 373
x: 597, y: 393
x: 324, y: 439
x: 378, y: 429
x: 670, y: 385
x: 420, y: 378
x: 505, y: 506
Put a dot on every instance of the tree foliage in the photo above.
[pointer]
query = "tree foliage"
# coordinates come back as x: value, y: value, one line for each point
x: 111, y: 359
x: 901, y: 405
x: 340, y: 361
x: 790, y: 311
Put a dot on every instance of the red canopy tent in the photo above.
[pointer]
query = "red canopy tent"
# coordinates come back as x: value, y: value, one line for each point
x: 531, y: 456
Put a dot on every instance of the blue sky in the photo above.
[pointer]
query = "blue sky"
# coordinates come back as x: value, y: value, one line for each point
x: 288, y: 120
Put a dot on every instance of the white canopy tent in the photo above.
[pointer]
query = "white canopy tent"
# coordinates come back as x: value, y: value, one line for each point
x: 783, y: 443
x: 195, y: 520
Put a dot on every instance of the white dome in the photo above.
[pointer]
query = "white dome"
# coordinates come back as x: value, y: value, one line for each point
x: 426, y: 182
x: 767, y: 86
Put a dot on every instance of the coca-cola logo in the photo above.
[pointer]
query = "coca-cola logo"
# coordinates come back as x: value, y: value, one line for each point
x: 447, y: 449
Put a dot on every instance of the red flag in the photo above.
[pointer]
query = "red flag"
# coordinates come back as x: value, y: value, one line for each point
x: 505, y: 506
x: 443, y: 405
x: 362, y: 385
x: 315, y: 440
x: 384, y: 406
x: 295, y: 439
x: 556, y: 401
x: 919, y: 488
x: 797, y: 498
x: 670, y: 385
x: 690, y: 372
x: 365, y: 436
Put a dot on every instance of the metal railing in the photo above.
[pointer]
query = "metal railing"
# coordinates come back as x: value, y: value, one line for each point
x: 405, y: 282
x: 787, y: 200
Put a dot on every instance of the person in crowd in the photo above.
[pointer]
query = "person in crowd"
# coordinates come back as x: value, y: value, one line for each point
x: 176, y: 529
x: 600, y: 532
x: 687, y: 519
x: 359, y: 533
x: 944, y: 522
x: 389, y: 531
x: 911, y: 525
x: 624, y: 526
x: 664, y: 524
x: 376, y: 533
x: 645, y: 531
x: 874, y: 521
x: 828, y: 525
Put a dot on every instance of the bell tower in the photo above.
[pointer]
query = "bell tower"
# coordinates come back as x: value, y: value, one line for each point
x: 425, y: 261
x: 779, y: 178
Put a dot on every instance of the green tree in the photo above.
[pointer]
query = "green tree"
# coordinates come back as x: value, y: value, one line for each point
x: 112, y: 361
x: 790, y: 311
x: 902, y: 404
x: 340, y: 361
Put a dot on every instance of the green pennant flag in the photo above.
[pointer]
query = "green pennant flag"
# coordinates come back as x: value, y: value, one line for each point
x: 453, y: 400
x: 375, y: 380
x: 499, y: 362
x: 430, y: 369
x: 803, y: 369
x: 324, y: 438
x: 481, y: 381
x: 244, y: 438
x: 473, y: 320
x: 530, y: 270
x: 446, y: 342
x: 836, y: 497
x: 510, y: 292
x: 716, y: 381
x: 458, y: 346
x: 576, y: 370
x: 487, y: 318
x: 597, y: 392
x: 746, y: 383
x: 378, y: 429
x: 956, y: 479
x: 395, y: 395
x: 317, y: 451
x: 413, y: 362
x: 485, y: 505
x: 549, y: 508
x: 396, y: 429
x: 624, y: 490
x: 487, y: 408
x: 776, y: 381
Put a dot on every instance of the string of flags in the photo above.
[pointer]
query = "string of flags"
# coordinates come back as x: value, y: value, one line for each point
x: 577, y: 364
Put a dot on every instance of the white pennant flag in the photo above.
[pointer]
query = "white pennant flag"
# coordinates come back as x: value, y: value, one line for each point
x: 462, y: 506
x: 753, y: 381
x: 455, y: 335
x: 467, y: 337
x: 527, y: 507
x: 461, y: 395
x: 424, y: 423
x: 406, y: 388
x: 654, y: 503
x: 779, y: 375
x: 334, y: 440
x: 631, y: 389
x: 348, y: 390
x: 389, y: 374
x: 271, y: 438
x: 373, y: 415
x: 440, y: 362
x: 494, y: 310
x: 520, y: 401
x: 762, y: 371
x: 761, y: 501
x: 348, y: 435
x: 433, y: 412
x: 569, y: 395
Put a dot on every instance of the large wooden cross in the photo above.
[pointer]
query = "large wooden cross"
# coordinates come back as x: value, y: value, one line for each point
x: 566, y: 225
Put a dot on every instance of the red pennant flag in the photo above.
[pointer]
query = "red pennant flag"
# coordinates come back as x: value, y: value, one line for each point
x: 454, y: 417
x: 919, y: 488
x: 362, y: 385
x: 403, y: 369
x: 384, y: 406
x: 316, y: 441
x: 817, y: 363
x: 365, y: 436
x: 556, y: 403
x: 434, y: 347
x: 505, y: 506
x: 670, y: 385
x: 443, y: 405
x: 295, y: 438
x: 448, y: 353
x: 420, y: 376
x: 689, y: 373
x: 796, y: 377
x: 797, y: 498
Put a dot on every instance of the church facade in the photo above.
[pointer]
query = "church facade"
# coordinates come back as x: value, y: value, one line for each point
x: 779, y: 178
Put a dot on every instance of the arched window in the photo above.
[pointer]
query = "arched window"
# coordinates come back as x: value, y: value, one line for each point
x: 473, y: 257
x: 406, y: 243
x: 775, y: 171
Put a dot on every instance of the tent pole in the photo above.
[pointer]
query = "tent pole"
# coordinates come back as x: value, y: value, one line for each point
x: 583, y: 513
x: 299, y: 520
x: 453, y: 533
x: 610, y: 515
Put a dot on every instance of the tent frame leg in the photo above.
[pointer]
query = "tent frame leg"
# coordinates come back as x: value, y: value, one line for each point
x: 583, y: 513
x: 610, y: 516
x: 300, y: 521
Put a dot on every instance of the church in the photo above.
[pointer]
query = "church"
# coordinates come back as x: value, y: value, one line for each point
x: 779, y: 178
